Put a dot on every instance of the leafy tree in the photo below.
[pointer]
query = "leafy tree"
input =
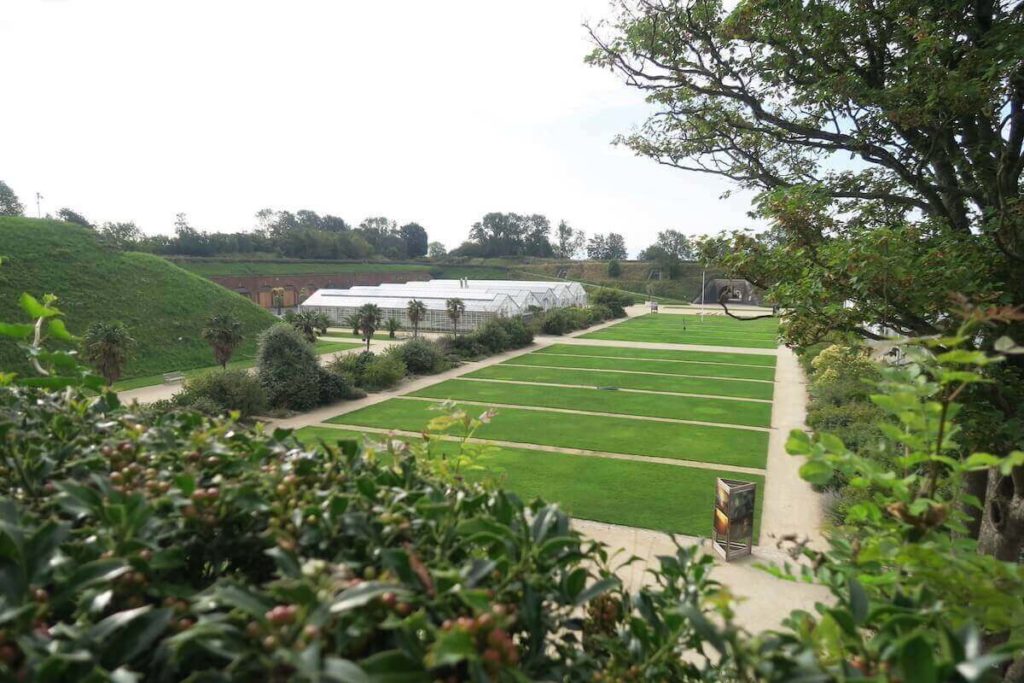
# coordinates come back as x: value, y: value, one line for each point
x: 415, y: 238
x: 930, y: 105
x: 123, y: 236
x: 607, y: 247
x: 392, y: 326
x: 353, y: 322
x: 370, y: 318
x: 455, y: 308
x: 511, y: 234
x: 107, y: 346
x: 223, y: 332
x: 436, y: 250
x: 384, y: 236
x: 9, y: 204
x: 69, y: 216
x: 614, y: 268
x: 569, y: 241
x: 310, y: 324
x: 416, y: 311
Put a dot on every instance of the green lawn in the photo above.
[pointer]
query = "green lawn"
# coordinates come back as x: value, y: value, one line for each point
x: 661, y: 367
x: 688, y: 329
x: 625, y: 380
x: 721, y: 411
x: 648, y: 495
x: 722, y: 445
x: 681, y: 356
x: 247, y: 361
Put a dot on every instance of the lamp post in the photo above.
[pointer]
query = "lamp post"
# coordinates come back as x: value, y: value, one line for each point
x: 703, y: 272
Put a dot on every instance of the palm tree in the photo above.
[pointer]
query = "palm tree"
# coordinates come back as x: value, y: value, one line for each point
x: 416, y: 311
x: 223, y: 333
x: 107, y: 346
x: 353, y: 322
x: 369, y: 321
x: 392, y: 325
x: 456, y: 308
x: 308, y: 323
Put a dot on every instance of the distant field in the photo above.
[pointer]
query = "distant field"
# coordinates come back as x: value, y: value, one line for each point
x: 723, y: 445
x: 164, y: 306
x: 322, y: 347
x: 640, y: 488
x: 656, y: 366
x: 685, y: 329
x: 720, y: 411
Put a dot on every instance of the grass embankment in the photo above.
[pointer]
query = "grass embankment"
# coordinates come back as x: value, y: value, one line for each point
x: 719, y: 411
x: 241, y: 268
x: 712, y: 444
x: 627, y: 380
x: 649, y: 495
x: 322, y: 347
x: 165, y: 307
x: 689, y: 329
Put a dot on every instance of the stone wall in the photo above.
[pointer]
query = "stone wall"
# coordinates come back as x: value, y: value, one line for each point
x: 258, y: 288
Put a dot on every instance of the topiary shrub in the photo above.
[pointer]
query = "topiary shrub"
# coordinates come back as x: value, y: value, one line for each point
x: 614, y: 268
x: 519, y: 333
x: 351, y: 366
x: 466, y: 347
x: 493, y: 337
x: 221, y: 391
x: 422, y: 357
x: 288, y: 369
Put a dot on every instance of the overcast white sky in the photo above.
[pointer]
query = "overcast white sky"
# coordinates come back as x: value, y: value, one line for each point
x: 435, y: 112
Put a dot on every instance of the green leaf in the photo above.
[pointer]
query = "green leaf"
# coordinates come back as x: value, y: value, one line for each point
x: 34, y: 309
x: 145, y: 629
x: 58, y: 331
x: 343, y: 671
x: 981, y: 461
x: 798, y: 443
x: 450, y: 648
x: 360, y: 595
x: 16, y: 330
x: 858, y: 601
x: 816, y: 472
x: 917, y: 661
x: 1007, y: 345
x: 596, y: 589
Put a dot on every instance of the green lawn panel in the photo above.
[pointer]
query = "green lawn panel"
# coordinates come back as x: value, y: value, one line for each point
x: 766, y: 360
x: 657, y: 366
x: 649, y: 495
x: 721, y: 445
x: 598, y: 378
x: 721, y: 411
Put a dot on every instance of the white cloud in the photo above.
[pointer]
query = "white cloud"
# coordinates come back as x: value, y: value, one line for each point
x: 435, y: 112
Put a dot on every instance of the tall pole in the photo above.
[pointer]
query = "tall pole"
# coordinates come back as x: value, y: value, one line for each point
x: 703, y: 272
x: 39, y: 211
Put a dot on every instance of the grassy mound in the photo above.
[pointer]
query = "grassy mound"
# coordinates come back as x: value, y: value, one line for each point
x: 164, y: 306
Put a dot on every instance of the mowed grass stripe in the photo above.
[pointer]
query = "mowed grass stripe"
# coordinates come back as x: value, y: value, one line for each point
x: 719, y: 411
x: 676, y: 329
x: 605, y: 378
x: 715, y: 357
x: 649, y: 495
x: 724, y: 445
x: 657, y: 366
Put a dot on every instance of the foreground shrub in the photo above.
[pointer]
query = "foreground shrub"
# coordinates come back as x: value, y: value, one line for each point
x: 422, y: 357
x: 221, y: 391
x: 287, y: 368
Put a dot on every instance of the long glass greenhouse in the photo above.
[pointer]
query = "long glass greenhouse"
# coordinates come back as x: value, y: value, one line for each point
x: 483, y: 300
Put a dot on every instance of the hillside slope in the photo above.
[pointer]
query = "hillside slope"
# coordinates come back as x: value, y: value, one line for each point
x: 164, y: 306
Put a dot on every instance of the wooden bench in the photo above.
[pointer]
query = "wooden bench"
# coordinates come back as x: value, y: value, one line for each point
x: 174, y: 377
